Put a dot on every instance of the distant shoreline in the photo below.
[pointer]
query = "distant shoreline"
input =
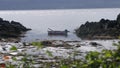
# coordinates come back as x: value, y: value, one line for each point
x: 54, y: 9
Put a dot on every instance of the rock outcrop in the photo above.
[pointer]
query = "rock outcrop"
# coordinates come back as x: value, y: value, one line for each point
x: 11, y: 29
x: 104, y: 29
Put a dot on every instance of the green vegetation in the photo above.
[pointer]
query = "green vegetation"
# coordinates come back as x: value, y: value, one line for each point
x: 13, y: 48
x: 49, y: 53
x: 104, y: 59
x: 25, y: 63
x: 38, y: 44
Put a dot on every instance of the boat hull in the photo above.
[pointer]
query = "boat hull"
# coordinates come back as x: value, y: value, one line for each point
x: 57, y: 33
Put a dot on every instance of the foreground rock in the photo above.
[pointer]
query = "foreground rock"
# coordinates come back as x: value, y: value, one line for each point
x: 11, y: 29
x: 53, y: 51
x: 55, y: 43
x: 104, y: 29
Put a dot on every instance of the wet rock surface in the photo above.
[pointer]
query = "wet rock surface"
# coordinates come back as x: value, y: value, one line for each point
x: 95, y: 44
x: 55, y: 43
x: 56, y: 51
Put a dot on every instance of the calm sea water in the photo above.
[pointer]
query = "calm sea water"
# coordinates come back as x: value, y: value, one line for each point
x: 40, y: 20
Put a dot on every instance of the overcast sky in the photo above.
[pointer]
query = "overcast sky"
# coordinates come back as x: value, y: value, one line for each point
x: 57, y: 4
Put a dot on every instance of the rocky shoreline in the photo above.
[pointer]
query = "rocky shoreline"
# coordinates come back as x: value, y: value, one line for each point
x: 11, y: 29
x: 53, y: 52
x: 50, y: 51
x: 104, y: 29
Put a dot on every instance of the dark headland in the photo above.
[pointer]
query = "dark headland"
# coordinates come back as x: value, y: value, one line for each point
x: 11, y: 29
x: 104, y: 29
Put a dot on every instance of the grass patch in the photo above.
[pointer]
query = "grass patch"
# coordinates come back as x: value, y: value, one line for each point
x: 13, y: 48
x: 38, y: 44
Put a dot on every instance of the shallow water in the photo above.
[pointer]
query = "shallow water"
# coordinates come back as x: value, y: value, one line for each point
x: 40, y: 20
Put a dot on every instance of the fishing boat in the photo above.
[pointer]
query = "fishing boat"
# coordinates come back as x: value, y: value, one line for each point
x: 53, y: 32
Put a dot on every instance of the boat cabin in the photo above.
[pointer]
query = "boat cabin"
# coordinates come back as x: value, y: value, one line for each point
x: 52, y: 32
